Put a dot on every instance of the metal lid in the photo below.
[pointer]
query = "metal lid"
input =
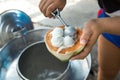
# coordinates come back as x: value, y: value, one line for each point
x: 13, y: 22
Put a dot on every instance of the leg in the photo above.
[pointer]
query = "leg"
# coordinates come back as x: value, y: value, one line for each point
x: 108, y: 59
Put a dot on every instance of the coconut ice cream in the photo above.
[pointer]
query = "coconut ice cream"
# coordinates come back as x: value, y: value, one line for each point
x: 57, y: 37
x: 68, y: 41
x: 57, y: 41
x: 60, y: 39
x: 57, y: 32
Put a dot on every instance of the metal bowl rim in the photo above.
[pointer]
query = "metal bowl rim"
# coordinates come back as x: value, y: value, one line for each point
x: 21, y: 53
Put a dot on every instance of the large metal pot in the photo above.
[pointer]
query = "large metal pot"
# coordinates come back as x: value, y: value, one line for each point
x: 11, y: 50
x: 36, y: 63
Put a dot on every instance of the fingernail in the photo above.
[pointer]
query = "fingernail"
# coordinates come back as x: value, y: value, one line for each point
x: 83, y: 42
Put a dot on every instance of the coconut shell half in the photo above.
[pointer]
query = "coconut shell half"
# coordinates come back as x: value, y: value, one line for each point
x: 66, y: 53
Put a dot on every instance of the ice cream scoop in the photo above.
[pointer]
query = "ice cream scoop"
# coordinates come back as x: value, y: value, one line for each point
x: 69, y: 30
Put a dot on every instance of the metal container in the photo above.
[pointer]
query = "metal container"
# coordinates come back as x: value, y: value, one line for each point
x: 36, y: 63
x: 11, y: 61
x: 13, y: 23
x: 11, y: 50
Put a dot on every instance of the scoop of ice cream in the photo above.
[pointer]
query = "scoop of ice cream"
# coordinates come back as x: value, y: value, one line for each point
x: 57, y: 41
x: 57, y: 32
x: 68, y: 41
x: 71, y: 31
x: 62, y: 37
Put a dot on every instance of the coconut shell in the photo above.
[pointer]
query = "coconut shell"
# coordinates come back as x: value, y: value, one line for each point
x: 66, y: 53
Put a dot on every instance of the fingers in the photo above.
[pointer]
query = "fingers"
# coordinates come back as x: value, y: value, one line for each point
x: 45, y: 6
x: 85, y: 41
x: 84, y: 38
x: 88, y: 39
x: 41, y: 5
x: 85, y: 35
x: 50, y: 9
x: 48, y: 6
x: 86, y: 50
x: 82, y: 55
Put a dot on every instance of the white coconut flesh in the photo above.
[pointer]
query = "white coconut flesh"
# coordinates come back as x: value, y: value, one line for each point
x: 67, y: 55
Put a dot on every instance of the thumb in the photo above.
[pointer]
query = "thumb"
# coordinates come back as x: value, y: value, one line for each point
x: 85, y: 37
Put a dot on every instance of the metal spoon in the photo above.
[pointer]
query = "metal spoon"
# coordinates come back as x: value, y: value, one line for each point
x: 69, y: 30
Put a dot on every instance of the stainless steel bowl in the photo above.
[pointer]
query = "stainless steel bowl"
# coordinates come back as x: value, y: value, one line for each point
x: 36, y: 63
x: 13, y: 23
x: 11, y: 50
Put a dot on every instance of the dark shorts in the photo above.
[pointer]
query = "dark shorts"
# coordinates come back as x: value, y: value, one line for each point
x: 112, y: 38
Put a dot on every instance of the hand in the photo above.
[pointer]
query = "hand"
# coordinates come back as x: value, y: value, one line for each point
x: 48, y: 6
x: 91, y: 32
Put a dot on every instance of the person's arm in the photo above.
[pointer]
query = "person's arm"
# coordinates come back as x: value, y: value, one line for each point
x: 48, y: 6
x: 110, y: 25
x: 93, y: 28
